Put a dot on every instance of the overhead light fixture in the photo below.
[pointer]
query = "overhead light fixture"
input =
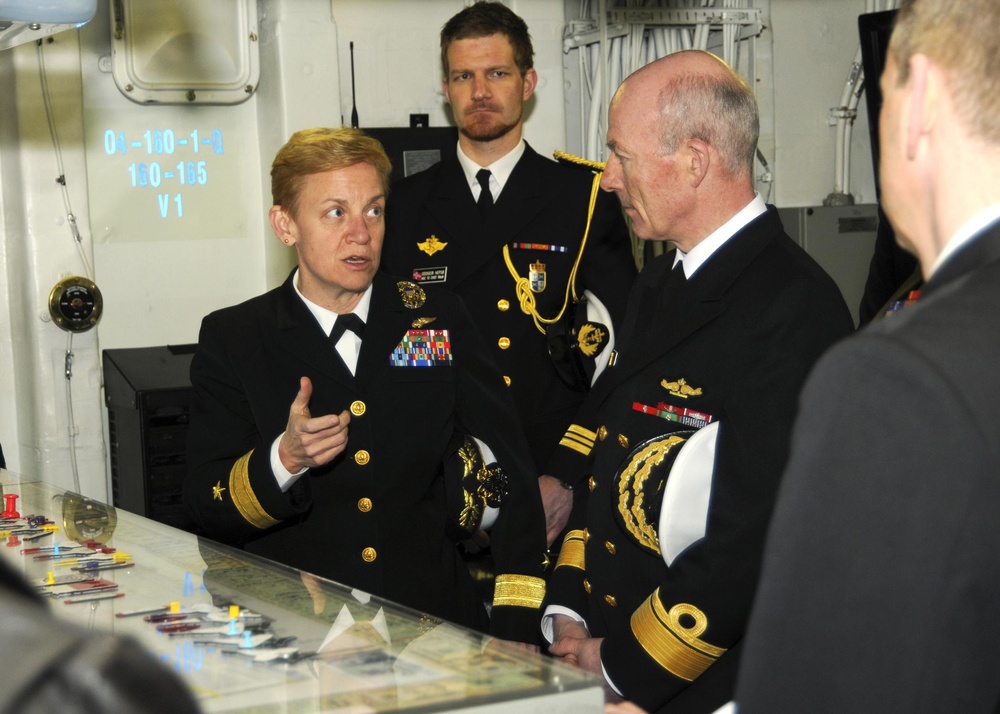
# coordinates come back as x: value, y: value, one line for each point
x: 29, y: 20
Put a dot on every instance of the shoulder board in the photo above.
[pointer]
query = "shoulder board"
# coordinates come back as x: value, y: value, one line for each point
x: 563, y: 157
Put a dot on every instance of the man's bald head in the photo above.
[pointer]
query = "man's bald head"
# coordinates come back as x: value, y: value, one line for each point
x: 694, y: 94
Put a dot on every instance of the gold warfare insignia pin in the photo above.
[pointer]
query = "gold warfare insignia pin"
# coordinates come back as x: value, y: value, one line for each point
x: 680, y: 388
x: 536, y: 277
x: 432, y: 245
x: 413, y: 295
x: 217, y: 490
x: 590, y: 339
x: 421, y: 321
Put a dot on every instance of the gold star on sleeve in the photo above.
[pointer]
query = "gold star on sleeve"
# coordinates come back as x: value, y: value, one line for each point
x: 217, y: 490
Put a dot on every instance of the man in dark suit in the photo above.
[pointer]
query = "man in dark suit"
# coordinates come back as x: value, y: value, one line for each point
x: 376, y: 509
x: 521, y: 251
x: 880, y: 581
x: 655, y: 577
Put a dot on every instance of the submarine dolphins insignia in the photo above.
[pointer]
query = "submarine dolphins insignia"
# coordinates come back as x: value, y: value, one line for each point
x: 680, y: 388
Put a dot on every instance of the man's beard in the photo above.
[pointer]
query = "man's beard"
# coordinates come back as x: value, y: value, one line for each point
x: 487, y: 131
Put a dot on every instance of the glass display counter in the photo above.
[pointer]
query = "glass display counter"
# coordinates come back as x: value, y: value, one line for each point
x: 250, y: 635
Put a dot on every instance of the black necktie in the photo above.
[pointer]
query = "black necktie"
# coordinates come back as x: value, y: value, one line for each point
x: 347, y: 321
x: 485, y: 202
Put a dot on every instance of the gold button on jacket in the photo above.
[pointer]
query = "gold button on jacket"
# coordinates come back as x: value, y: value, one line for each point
x: 368, y: 555
x: 362, y: 457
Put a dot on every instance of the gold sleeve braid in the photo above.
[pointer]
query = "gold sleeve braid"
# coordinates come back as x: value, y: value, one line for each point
x: 675, y: 647
x: 243, y: 496
x: 571, y: 555
x: 519, y: 591
x: 579, y: 439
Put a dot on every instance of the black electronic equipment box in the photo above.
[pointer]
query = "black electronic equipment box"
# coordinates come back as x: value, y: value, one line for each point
x: 147, y: 391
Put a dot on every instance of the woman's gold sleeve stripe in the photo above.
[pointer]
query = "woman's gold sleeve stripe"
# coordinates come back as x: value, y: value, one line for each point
x: 243, y: 496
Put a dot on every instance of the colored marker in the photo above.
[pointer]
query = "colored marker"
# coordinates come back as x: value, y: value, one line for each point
x: 95, y: 598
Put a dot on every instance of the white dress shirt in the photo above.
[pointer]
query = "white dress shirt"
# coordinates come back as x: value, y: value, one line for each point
x: 500, y: 170
x: 348, y: 347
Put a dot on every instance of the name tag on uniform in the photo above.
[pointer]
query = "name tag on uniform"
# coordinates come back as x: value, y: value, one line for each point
x: 423, y: 348
x: 431, y: 275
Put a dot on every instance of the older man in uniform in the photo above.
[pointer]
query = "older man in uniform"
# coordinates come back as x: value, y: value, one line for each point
x: 687, y: 431
x: 514, y: 235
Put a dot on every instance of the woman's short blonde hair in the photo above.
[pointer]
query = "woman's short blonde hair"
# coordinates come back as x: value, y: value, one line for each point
x: 313, y: 151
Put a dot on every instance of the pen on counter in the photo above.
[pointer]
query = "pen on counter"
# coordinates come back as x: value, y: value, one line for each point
x: 61, y: 556
x: 52, y: 548
x: 94, y: 587
x: 178, y: 627
x: 165, y: 617
x: 35, y: 537
x: 95, y: 566
x: 144, y: 611
x: 95, y: 598
x: 69, y: 562
x: 92, y: 560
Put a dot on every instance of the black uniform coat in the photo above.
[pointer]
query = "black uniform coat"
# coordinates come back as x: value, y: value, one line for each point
x: 385, y: 491
x: 543, y: 202
x: 742, y: 334
x: 881, y: 577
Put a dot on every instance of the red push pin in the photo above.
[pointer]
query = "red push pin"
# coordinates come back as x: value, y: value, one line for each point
x: 13, y: 541
x: 9, y: 511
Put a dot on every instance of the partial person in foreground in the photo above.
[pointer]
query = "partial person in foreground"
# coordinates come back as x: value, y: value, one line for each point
x: 364, y: 456
x: 880, y: 582
x: 688, y: 428
x: 51, y: 665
